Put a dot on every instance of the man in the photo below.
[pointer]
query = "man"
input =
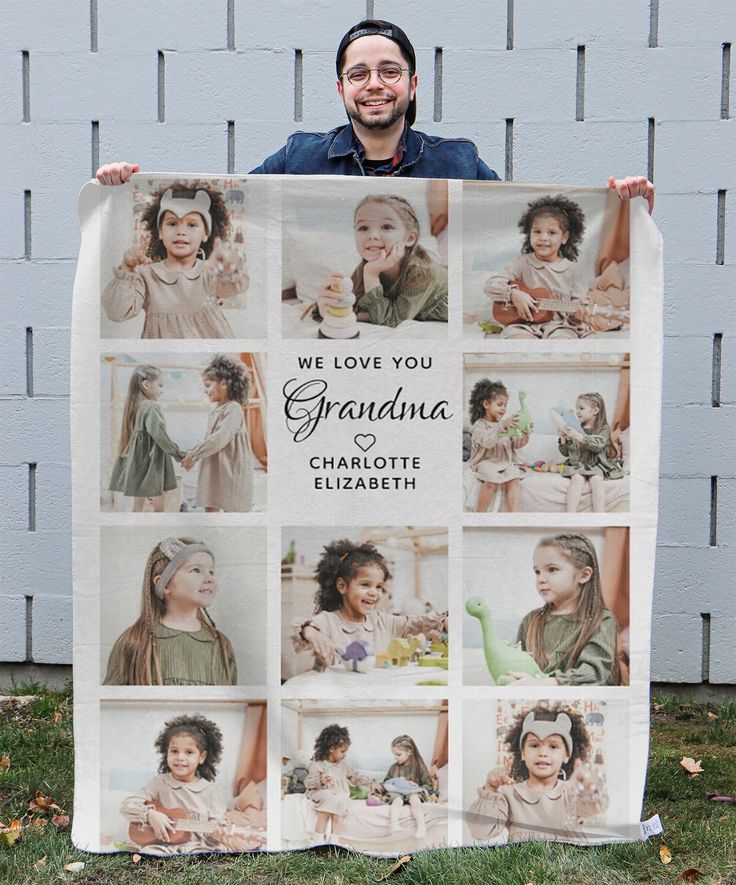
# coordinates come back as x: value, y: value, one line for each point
x: 377, y: 81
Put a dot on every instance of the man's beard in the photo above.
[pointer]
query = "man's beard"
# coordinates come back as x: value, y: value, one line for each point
x: 379, y: 121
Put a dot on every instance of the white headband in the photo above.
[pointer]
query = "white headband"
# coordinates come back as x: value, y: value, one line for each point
x: 543, y: 728
x: 176, y: 551
x: 183, y: 205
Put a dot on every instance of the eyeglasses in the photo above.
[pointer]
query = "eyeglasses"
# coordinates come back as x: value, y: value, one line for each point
x: 389, y: 74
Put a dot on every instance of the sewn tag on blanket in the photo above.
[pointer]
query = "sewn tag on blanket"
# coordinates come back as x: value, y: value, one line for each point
x: 364, y: 495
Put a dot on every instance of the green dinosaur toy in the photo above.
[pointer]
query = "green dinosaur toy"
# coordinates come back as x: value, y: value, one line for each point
x: 523, y: 423
x: 501, y: 658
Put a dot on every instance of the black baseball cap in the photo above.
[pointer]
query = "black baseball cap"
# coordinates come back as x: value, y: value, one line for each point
x: 377, y: 27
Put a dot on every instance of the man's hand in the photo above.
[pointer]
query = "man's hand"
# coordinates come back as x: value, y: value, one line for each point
x: 634, y: 186
x: 116, y: 173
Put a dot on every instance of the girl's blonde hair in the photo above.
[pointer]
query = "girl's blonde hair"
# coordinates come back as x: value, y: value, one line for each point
x: 133, y: 398
x: 416, y: 263
x: 579, y: 550
x: 140, y: 663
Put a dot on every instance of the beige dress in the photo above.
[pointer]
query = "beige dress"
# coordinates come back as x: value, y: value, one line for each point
x: 492, y: 456
x: 555, y: 814
x: 560, y: 278
x: 334, y: 798
x: 199, y: 798
x: 225, y: 461
x: 378, y: 629
x: 177, y: 303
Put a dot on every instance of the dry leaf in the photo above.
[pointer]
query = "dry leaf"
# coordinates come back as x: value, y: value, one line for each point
x: 5, y: 763
x: 691, y: 766
x: 136, y: 858
x: 400, y: 863
x: 57, y: 717
x: 714, y: 797
x: 41, y: 862
x: 691, y: 875
x: 665, y: 855
x: 75, y: 867
x: 710, y: 716
x: 60, y: 821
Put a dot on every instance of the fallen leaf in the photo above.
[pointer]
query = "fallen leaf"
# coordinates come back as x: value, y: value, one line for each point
x: 60, y: 821
x: 136, y: 858
x: 710, y: 716
x: 43, y: 803
x: 714, y: 797
x: 9, y: 837
x: 690, y: 765
x: 57, y: 717
x: 691, y: 875
x: 75, y: 867
x: 400, y: 864
x: 41, y: 862
x: 665, y: 855
x: 5, y: 763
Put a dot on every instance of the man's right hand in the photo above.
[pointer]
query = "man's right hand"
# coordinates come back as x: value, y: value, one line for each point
x: 116, y: 173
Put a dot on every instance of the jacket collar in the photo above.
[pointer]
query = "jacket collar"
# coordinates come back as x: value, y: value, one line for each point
x: 346, y: 143
x: 170, y: 276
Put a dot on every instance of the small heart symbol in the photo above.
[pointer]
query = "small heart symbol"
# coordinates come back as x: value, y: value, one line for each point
x: 364, y: 441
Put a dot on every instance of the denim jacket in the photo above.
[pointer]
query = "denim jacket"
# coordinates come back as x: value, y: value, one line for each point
x: 338, y: 152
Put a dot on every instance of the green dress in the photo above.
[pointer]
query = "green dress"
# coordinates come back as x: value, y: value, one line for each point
x: 590, y: 457
x: 146, y: 469
x: 185, y: 658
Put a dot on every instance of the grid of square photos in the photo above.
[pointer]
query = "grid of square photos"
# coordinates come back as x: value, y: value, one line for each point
x: 365, y: 489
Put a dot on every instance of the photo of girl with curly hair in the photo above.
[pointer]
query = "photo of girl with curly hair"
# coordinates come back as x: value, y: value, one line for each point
x: 181, y: 267
x: 547, y: 785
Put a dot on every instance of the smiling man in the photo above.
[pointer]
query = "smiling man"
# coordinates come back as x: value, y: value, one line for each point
x: 377, y: 81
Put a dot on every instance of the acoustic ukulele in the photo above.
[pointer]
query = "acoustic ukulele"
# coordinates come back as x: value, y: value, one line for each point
x: 549, y: 303
x: 185, y: 823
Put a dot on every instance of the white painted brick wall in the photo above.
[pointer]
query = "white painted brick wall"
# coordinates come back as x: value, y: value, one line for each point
x: 658, y: 59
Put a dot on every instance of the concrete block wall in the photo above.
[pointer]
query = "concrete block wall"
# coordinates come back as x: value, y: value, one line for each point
x: 565, y: 91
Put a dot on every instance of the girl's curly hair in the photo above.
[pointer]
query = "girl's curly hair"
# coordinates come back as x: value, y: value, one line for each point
x: 218, y: 214
x: 223, y: 368
x: 203, y: 732
x: 567, y: 212
x: 330, y: 736
x: 482, y: 391
x: 342, y: 559
x: 578, y: 733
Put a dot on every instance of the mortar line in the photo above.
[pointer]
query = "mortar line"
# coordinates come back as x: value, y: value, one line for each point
x: 716, y: 372
x: 26, y: 79
x: 721, y: 228
x: 27, y: 245
x: 651, y: 135
x: 369, y: 11
x: 231, y: 25
x: 509, y: 24
x: 509, y: 150
x: 29, y: 628
x: 705, y: 645
x: 580, y: 85
x: 653, y: 23
x: 726, y: 82
x: 161, y: 86
x: 714, y: 511
x: 93, y: 25
x: 95, y: 146
x: 231, y: 147
x: 438, y: 73
x: 29, y: 362
x: 298, y: 85
x: 32, y: 497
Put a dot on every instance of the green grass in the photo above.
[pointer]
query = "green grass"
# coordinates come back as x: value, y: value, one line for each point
x: 700, y: 834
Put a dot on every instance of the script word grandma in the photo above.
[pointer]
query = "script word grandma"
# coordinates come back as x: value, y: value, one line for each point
x: 306, y: 404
